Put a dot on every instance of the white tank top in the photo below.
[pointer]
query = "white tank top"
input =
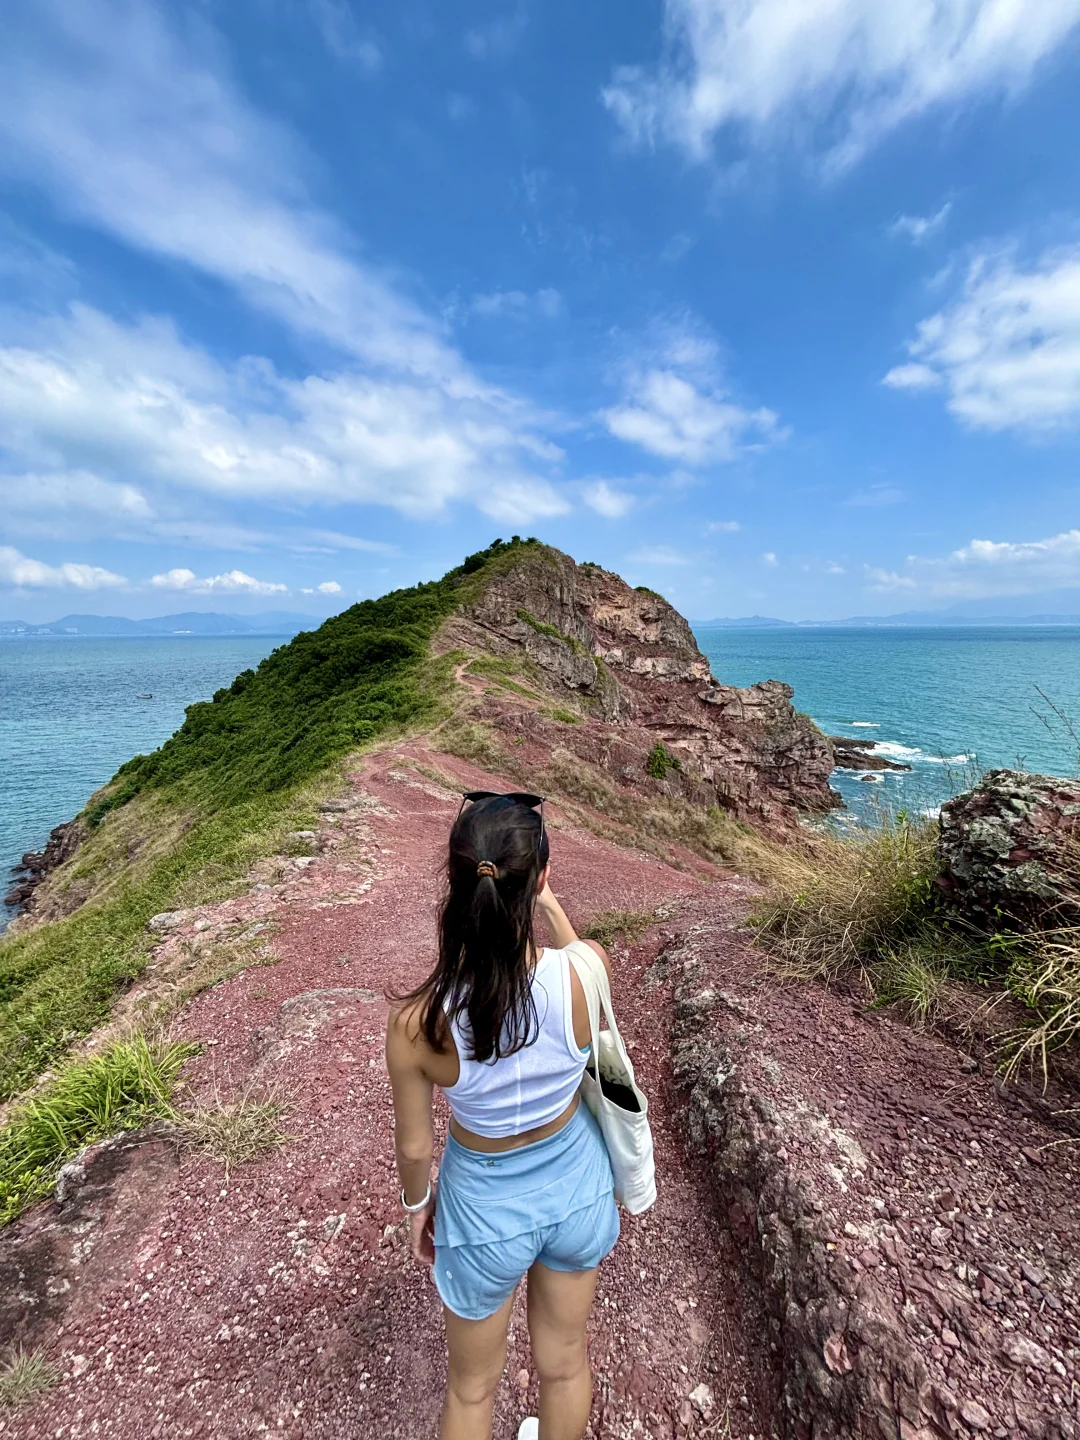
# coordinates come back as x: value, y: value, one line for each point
x: 497, y: 1098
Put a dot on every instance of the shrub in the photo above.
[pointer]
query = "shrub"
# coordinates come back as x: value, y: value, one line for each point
x: 660, y: 761
x: 1045, y: 975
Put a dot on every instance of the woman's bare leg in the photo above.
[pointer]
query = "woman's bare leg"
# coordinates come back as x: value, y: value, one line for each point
x: 477, y: 1357
x: 559, y: 1305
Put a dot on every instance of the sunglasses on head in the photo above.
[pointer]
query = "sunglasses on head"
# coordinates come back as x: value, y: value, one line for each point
x: 520, y: 797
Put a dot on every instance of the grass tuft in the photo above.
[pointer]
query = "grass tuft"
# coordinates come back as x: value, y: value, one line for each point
x: 25, y: 1376
x: 234, y: 1132
x: 609, y: 924
x: 122, y: 1088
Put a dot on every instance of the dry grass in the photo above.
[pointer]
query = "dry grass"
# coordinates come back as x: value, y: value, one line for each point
x: 836, y: 903
x: 25, y: 1376
x: 1046, y: 977
x: 470, y: 740
x: 235, y: 1131
x: 609, y: 924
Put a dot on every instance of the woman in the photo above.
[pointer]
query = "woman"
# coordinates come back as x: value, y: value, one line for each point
x: 525, y: 1184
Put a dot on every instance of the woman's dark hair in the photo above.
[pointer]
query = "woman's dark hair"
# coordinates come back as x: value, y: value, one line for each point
x: 498, y: 849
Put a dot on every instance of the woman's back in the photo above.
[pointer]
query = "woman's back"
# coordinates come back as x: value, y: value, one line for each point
x: 533, y: 1085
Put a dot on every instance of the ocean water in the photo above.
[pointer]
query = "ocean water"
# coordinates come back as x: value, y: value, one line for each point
x: 70, y: 715
x: 948, y: 702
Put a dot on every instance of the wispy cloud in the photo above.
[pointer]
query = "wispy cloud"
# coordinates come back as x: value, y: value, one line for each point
x: 985, y: 568
x: 722, y: 527
x: 140, y: 131
x: 518, y: 304
x: 659, y: 555
x: 834, y: 75
x: 876, y: 497
x: 918, y: 228
x: 608, y: 500
x: 498, y: 38
x: 769, y: 559
x: 1006, y: 352
x: 343, y: 36
x: 21, y: 573
x: 676, y: 405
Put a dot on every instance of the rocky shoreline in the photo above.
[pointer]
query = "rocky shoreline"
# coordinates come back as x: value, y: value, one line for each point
x: 851, y: 754
x: 35, y: 865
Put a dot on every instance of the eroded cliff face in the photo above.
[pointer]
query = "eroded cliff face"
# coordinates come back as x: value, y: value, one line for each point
x: 631, y: 663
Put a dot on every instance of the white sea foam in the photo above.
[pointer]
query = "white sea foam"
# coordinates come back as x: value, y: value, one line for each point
x: 866, y: 724
x: 893, y: 751
x: 931, y: 812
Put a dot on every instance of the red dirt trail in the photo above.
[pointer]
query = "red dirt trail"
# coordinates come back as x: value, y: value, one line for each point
x: 281, y: 1299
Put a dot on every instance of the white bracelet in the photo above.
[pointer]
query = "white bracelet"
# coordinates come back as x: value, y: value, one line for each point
x: 415, y: 1209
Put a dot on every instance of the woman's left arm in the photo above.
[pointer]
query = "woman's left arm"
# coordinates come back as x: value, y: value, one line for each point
x: 414, y: 1135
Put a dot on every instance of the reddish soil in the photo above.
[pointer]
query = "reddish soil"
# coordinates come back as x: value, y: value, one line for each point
x: 281, y: 1299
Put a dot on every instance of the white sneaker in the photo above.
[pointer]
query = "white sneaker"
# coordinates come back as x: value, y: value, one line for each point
x: 529, y: 1429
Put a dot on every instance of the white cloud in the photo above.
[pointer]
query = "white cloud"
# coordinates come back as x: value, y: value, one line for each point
x: 233, y: 582
x: 990, y: 568
x: 769, y: 558
x: 23, y: 573
x: 143, y: 134
x: 836, y: 75
x: 518, y: 304
x: 918, y: 228
x: 675, y: 405
x: 1007, y: 350
x: 329, y: 587
x: 722, y: 527
x: 137, y: 400
x: 832, y: 568
x: 608, y: 500
x: 659, y: 555
x: 342, y: 34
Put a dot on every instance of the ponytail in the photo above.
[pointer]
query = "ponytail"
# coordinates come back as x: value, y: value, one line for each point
x: 481, y: 981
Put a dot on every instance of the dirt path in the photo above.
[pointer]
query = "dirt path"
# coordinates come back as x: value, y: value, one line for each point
x: 281, y: 1299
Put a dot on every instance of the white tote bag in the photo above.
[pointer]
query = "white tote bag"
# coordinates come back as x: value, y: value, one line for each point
x: 611, y: 1092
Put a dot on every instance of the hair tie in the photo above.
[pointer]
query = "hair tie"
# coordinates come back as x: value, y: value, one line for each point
x: 486, y: 870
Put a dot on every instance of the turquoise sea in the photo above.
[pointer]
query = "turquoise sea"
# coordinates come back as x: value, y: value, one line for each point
x: 70, y: 714
x: 948, y: 702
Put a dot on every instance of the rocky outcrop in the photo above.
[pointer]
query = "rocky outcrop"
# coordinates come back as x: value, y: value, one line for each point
x: 1010, y: 850
x: 860, y: 755
x: 853, y: 1159
x: 631, y: 663
x: 62, y: 843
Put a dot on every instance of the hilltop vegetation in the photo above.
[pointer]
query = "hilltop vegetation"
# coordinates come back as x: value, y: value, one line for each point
x: 184, y: 824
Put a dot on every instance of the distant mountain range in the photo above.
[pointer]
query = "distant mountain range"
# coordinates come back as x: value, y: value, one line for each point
x: 1052, y: 607
x: 195, y: 622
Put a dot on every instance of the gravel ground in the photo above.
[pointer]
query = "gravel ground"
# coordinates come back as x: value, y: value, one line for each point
x: 281, y: 1299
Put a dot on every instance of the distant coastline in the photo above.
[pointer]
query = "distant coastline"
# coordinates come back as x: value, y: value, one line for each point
x: 204, y: 624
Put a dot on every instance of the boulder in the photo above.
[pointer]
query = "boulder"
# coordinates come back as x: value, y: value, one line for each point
x: 1010, y: 850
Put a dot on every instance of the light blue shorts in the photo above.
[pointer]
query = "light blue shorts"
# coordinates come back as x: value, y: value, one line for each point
x: 496, y: 1215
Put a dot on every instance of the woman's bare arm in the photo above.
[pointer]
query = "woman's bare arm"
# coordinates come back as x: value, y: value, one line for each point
x: 562, y: 932
x: 414, y: 1135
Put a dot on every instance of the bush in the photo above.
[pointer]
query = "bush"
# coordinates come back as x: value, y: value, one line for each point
x: 660, y: 761
x: 1045, y: 975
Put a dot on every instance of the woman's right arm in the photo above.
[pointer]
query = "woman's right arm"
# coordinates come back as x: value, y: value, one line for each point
x: 562, y: 932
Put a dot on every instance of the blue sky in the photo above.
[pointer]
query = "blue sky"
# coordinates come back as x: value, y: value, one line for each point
x: 775, y: 309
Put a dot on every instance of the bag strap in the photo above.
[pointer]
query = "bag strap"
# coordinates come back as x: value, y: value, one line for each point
x: 594, y: 981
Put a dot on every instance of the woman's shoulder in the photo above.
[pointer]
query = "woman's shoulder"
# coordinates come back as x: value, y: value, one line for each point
x: 596, y: 948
